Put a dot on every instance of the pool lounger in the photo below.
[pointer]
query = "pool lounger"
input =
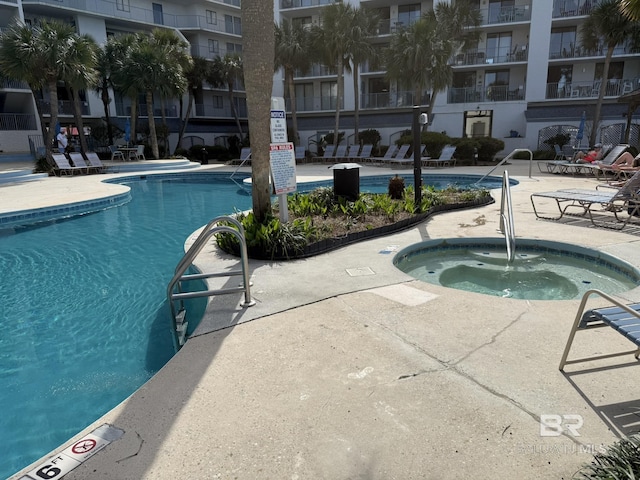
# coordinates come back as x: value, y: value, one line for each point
x: 625, y: 198
x: 624, y: 319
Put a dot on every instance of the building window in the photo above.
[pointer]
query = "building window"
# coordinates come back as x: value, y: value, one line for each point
x: 212, y: 17
x: 498, y: 47
x: 408, y: 15
x: 213, y: 46
x: 234, y: 48
x: 305, y: 22
x: 563, y: 41
x: 218, y: 101
x: 233, y: 25
x: 328, y: 95
x: 497, y: 84
x: 158, y: 17
x: 477, y: 123
x: 122, y: 5
x: 559, y: 81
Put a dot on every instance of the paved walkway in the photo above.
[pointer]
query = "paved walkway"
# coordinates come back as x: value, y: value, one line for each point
x: 348, y: 368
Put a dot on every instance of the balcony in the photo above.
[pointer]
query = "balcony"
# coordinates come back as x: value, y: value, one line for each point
x: 65, y: 107
x: 614, y: 88
x: 17, y: 121
x: 389, y: 100
x: 9, y: 84
x: 124, y: 110
x: 314, y: 104
x: 578, y: 51
x: 316, y: 70
x: 500, y: 15
x: 221, y: 112
x: 500, y: 55
x: 285, y: 4
x: 573, y: 8
x: 205, y: 52
x: 493, y: 93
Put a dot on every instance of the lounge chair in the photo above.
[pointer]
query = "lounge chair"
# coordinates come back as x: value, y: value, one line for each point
x: 62, y: 165
x: 614, y: 201
x: 301, y: 153
x: 96, y: 163
x: 245, y: 155
x: 564, y: 166
x: 399, y: 161
x: 341, y: 152
x: 352, y: 151
x: 624, y: 319
x: 78, y: 161
x: 389, y: 154
x: 138, y: 154
x: 365, y: 153
x: 445, y: 160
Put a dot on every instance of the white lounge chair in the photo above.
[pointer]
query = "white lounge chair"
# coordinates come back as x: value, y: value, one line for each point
x: 115, y: 153
x: 95, y: 162
x: 138, y: 154
x: 78, y: 161
x: 625, y: 200
x: 62, y: 165
x: 399, y: 161
x: 444, y: 160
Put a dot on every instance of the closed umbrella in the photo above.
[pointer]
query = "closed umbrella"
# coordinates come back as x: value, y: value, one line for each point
x: 127, y: 131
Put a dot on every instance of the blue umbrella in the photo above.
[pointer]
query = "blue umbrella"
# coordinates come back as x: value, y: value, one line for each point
x: 580, y: 132
x: 127, y: 131
x: 58, y: 128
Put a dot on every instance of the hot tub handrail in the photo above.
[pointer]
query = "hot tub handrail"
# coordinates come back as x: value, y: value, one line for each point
x: 504, y: 160
x: 506, y: 217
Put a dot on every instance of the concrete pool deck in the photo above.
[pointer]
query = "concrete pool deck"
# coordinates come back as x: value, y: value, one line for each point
x: 348, y: 368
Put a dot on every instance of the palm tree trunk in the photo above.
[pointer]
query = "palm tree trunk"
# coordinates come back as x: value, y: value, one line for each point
x: 77, y: 112
x: 152, y: 125
x: 356, y: 105
x: 134, y: 119
x: 53, y: 118
x: 294, y: 111
x: 104, y: 95
x: 339, y: 94
x: 165, y: 130
x: 185, y: 122
x: 603, y: 88
x: 235, y: 110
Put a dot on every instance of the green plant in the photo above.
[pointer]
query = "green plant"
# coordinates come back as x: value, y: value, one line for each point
x: 371, y: 136
x: 328, y: 138
x: 466, y: 147
x: 488, y: 147
x: 434, y: 141
x: 560, y: 139
x: 396, y: 187
x: 619, y: 461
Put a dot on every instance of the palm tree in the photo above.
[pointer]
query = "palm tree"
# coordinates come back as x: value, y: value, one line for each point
x: 609, y: 26
x: 258, y: 52
x: 105, y: 61
x: 41, y: 55
x: 123, y: 79
x: 359, y: 50
x: 195, y: 75
x: 225, y: 71
x: 292, y: 53
x: 330, y: 43
x: 420, y: 54
x: 78, y: 72
x: 631, y: 8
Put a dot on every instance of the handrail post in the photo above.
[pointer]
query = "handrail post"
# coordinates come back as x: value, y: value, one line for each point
x: 507, y: 227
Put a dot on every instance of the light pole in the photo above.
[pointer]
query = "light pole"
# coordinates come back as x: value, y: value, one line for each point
x: 419, y: 119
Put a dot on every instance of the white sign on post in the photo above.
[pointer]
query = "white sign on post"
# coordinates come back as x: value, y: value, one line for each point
x: 278, y: 126
x: 282, y: 158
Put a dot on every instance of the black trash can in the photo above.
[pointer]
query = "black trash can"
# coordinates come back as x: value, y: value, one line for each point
x: 346, y: 180
x: 205, y: 157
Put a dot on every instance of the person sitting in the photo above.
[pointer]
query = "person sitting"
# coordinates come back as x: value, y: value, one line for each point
x: 624, y: 161
x: 589, y: 157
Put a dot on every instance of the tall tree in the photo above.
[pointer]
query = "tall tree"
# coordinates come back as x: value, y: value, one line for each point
x: 225, y: 71
x: 42, y: 56
x: 359, y: 50
x: 419, y: 54
x: 196, y: 75
x: 631, y: 8
x: 330, y: 43
x: 258, y: 53
x: 105, y: 61
x: 123, y: 79
x: 292, y: 53
x: 607, y: 25
x: 78, y: 72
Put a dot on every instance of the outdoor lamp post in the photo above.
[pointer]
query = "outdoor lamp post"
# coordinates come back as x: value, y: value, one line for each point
x: 419, y: 119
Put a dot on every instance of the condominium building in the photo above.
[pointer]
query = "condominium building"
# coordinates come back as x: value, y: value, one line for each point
x: 528, y: 76
x: 528, y: 72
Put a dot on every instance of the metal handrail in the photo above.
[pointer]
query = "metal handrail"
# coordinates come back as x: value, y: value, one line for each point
x: 506, y: 218
x: 183, y: 265
x: 504, y: 160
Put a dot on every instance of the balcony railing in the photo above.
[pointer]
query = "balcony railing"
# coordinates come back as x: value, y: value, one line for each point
x: 316, y: 70
x: 573, y: 8
x: 500, y: 55
x: 578, y: 51
x: 65, y: 107
x: 124, y: 110
x: 17, y: 121
x: 314, y: 104
x: 205, y: 52
x: 493, y: 93
x: 284, y: 4
x: 8, y: 83
x: 389, y: 100
x: 499, y: 15
x: 222, y: 112
x: 614, y: 88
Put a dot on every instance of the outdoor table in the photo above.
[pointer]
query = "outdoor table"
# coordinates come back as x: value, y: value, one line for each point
x: 128, y: 152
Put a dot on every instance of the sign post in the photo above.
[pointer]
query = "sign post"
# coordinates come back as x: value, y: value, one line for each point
x: 282, y: 157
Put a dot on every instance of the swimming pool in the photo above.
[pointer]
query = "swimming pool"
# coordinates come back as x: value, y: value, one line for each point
x: 85, y: 320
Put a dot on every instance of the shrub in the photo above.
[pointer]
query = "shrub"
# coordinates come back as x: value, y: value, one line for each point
x: 328, y: 138
x: 195, y: 152
x: 434, y: 141
x: 218, y: 152
x: 560, y: 139
x: 466, y: 147
x: 488, y: 148
x: 620, y: 460
x: 396, y: 187
x: 371, y: 136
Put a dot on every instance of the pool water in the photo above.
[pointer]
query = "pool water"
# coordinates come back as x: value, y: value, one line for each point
x: 84, y: 315
x: 537, y: 272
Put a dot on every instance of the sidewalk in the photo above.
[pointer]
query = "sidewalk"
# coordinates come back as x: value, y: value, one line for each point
x: 348, y: 368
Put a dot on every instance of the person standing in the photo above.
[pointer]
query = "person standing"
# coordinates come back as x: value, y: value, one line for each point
x: 63, y: 141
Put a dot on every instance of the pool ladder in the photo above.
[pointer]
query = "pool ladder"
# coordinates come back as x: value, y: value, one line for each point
x: 175, y: 293
x: 506, y: 218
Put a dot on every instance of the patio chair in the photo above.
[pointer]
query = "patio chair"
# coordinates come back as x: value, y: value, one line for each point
x: 78, y: 161
x: 365, y: 153
x: 115, y: 153
x: 245, y: 155
x: 139, y: 153
x: 445, y: 160
x: 301, y: 153
x: 624, y: 319
x: 62, y: 165
x: 352, y: 151
x: 341, y: 152
x: 613, y: 202
x: 399, y: 160
x: 95, y: 162
x: 389, y: 154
